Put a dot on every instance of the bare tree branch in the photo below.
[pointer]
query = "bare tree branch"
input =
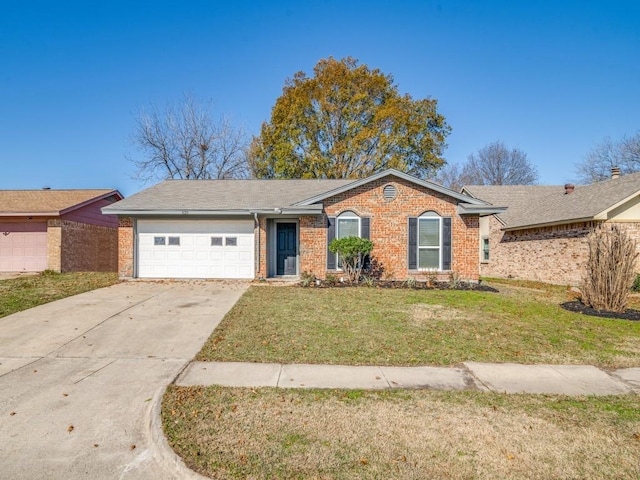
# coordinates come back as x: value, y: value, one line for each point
x: 185, y: 142
x: 597, y: 163
x: 494, y: 164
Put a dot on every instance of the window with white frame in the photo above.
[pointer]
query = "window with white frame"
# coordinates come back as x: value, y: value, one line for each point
x: 430, y: 241
x: 348, y: 225
x: 485, y: 249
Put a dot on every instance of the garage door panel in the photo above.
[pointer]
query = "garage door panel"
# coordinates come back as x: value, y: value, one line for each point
x: 193, y: 255
x: 174, y: 256
x: 203, y: 241
x: 245, y: 241
x: 204, y: 256
x: 205, y: 227
x: 23, y: 247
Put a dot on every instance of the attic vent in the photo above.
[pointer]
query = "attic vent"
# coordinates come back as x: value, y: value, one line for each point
x: 389, y: 192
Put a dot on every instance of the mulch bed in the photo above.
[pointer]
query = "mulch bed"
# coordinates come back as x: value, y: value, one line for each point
x: 579, y: 307
x: 405, y: 285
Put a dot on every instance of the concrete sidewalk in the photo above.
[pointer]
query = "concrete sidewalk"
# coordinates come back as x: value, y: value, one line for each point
x: 504, y: 377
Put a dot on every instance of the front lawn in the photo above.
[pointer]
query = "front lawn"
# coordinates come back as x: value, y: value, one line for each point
x: 19, y: 294
x: 369, y: 326
x: 235, y: 433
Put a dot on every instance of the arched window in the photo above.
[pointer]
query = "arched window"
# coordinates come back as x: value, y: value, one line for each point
x: 347, y: 225
x: 430, y: 241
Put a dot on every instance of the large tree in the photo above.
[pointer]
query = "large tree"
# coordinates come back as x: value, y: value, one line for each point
x: 493, y: 164
x: 185, y: 141
x: 624, y: 154
x: 347, y: 121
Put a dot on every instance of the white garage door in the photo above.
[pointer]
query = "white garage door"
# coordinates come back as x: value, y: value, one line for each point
x: 23, y: 247
x: 195, y: 249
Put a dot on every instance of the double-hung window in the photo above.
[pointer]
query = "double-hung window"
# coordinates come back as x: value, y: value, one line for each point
x: 347, y: 224
x: 429, y: 242
x: 485, y: 250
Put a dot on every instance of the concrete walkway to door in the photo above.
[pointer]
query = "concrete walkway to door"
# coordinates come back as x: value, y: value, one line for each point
x: 79, y: 376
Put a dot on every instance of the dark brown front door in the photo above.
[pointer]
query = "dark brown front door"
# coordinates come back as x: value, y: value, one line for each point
x: 287, y: 249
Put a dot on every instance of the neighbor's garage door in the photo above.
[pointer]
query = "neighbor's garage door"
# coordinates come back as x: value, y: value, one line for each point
x: 23, y: 247
x: 195, y: 249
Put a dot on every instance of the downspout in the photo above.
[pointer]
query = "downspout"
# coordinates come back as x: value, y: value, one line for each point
x: 255, y: 217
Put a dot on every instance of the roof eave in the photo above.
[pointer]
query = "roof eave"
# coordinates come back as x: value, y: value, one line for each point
x: 172, y: 212
x: 603, y: 214
x: 76, y: 206
x: 399, y: 174
x: 312, y: 210
x: 482, y: 210
x: 30, y: 214
x: 549, y: 224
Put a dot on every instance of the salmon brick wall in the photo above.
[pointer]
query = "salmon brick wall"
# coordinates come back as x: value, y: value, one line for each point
x: 125, y: 247
x: 389, y: 228
x: 555, y: 254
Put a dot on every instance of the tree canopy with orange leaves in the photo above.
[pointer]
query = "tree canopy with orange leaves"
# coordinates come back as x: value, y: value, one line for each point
x: 347, y: 121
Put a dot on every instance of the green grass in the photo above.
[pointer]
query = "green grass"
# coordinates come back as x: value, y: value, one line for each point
x: 19, y: 294
x: 233, y: 433
x: 366, y: 326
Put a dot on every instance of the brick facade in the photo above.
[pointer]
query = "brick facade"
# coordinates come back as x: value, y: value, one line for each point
x: 81, y: 247
x: 54, y: 245
x: 88, y: 248
x: 555, y: 254
x: 389, y: 230
x: 125, y: 247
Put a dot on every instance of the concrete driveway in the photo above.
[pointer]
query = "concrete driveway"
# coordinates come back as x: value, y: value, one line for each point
x: 77, y: 376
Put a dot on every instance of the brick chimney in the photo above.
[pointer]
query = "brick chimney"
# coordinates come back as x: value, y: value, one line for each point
x: 615, y: 172
x: 569, y: 188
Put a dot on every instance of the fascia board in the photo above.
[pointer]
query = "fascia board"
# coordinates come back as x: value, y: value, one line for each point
x: 397, y: 173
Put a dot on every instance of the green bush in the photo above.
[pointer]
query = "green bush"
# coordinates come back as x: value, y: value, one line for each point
x: 352, y: 251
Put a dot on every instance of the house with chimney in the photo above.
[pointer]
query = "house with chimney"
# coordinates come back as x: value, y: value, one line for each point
x: 542, y: 233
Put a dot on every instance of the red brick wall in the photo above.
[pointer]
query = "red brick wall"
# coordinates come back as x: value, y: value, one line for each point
x: 389, y: 228
x: 262, y: 248
x: 125, y: 247
x: 88, y: 248
x: 554, y: 254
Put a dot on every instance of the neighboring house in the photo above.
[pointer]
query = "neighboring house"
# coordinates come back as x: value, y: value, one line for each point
x: 541, y: 235
x: 273, y: 228
x: 60, y: 230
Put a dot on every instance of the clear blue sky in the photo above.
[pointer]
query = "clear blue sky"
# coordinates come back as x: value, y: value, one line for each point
x: 550, y: 77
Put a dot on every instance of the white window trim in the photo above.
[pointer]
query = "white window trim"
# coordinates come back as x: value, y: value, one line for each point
x: 430, y: 216
x: 346, y: 215
x: 482, y: 239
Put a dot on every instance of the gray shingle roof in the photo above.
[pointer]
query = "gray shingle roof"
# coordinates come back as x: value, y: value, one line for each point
x: 530, y: 205
x: 210, y: 195
x: 245, y: 196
